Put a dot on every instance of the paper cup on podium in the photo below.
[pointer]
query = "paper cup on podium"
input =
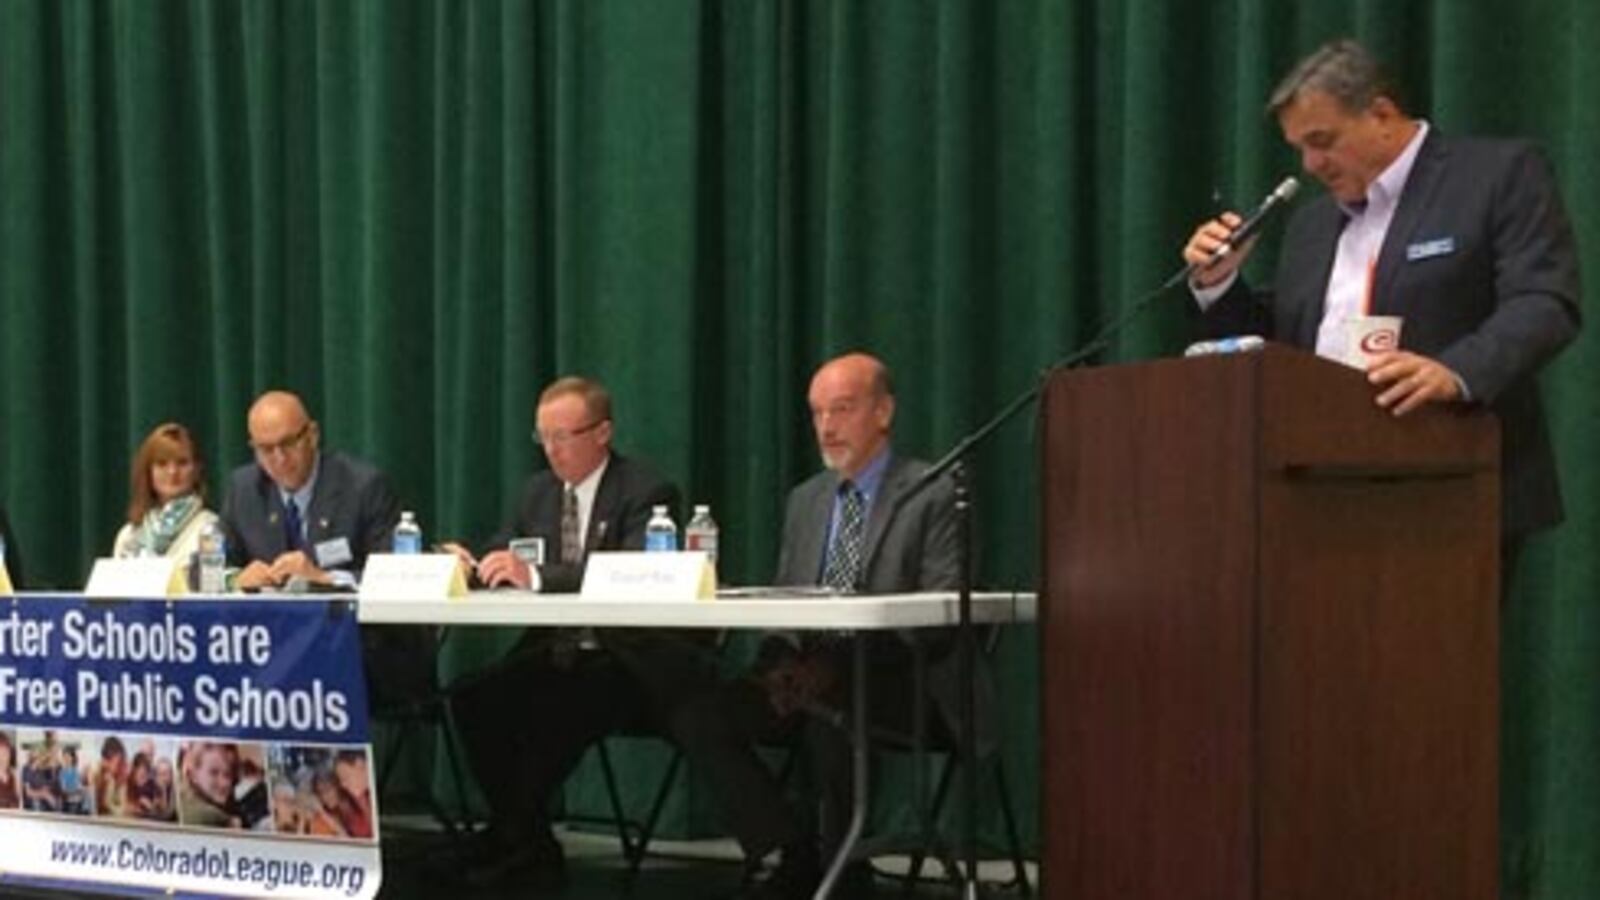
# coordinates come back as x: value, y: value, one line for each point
x: 1367, y: 337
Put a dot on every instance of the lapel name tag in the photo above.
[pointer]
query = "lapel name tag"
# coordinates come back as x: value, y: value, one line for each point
x: 1428, y: 249
x: 333, y: 553
x: 633, y: 575
x: 140, y: 576
x: 412, y: 576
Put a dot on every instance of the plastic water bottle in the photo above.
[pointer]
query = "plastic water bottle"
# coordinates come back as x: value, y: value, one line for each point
x: 659, y: 533
x: 701, y: 532
x: 408, y: 534
x: 213, y: 559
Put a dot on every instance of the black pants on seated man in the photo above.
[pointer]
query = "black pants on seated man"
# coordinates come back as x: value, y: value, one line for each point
x: 720, y: 730
x: 526, y: 725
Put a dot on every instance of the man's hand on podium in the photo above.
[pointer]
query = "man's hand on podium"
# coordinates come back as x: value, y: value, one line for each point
x: 1409, y: 381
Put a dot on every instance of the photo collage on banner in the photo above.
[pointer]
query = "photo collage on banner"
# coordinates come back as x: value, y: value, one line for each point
x: 207, y: 746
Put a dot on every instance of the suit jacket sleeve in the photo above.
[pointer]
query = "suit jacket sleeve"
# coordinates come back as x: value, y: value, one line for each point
x: 1536, y: 282
x: 941, y: 540
x: 235, y: 505
x: 793, y: 521
x: 379, y: 512
x: 13, y: 555
x: 634, y: 515
x: 1242, y: 310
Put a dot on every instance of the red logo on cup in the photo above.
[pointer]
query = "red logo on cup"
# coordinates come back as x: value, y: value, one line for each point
x: 1381, y: 340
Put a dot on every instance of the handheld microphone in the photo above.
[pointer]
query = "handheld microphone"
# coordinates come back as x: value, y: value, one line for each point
x: 1281, y: 194
x: 1240, y: 234
x: 1284, y: 192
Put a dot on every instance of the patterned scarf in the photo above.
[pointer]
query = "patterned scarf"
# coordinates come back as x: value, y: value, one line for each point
x: 162, y: 526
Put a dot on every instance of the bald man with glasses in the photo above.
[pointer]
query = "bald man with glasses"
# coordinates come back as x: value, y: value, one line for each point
x: 300, y: 517
x: 300, y: 512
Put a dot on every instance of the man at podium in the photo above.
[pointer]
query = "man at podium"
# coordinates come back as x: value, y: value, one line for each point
x: 1465, y: 239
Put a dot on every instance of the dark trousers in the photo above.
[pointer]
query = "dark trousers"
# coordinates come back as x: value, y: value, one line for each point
x: 720, y: 729
x: 525, y: 726
x: 398, y: 662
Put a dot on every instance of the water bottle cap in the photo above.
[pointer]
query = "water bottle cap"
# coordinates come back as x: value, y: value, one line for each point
x: 702, y: 509
x: 659, y: 509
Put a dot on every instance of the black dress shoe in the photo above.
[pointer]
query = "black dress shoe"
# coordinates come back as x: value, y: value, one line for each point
x: 798, y: 873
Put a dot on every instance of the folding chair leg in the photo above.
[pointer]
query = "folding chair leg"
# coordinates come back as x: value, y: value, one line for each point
x: 386, y: 765
x: 630, y: 848
x: 452, y: 758
x: 1020, y: 878
x: 935, y: 808
x: 657, y: 806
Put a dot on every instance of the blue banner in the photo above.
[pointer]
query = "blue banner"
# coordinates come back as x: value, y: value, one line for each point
x: 279, y: 670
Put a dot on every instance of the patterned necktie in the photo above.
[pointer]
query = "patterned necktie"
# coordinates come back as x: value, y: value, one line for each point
x: 294, y: 537
x: 571, y: 543
x: 845, y: 548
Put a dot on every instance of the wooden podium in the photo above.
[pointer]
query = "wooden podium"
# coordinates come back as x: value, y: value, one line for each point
x: 1271, y: 637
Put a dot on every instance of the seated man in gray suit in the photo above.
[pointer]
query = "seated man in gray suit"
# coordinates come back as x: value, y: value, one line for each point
x: 300, y: 513
x: 852, y: 527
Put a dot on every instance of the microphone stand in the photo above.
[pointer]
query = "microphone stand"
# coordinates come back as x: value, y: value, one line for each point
x: 954, y: 462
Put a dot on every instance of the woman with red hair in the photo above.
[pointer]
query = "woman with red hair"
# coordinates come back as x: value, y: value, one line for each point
x: 166, y: 506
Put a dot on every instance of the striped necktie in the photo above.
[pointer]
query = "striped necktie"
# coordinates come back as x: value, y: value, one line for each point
x: 571, y: 541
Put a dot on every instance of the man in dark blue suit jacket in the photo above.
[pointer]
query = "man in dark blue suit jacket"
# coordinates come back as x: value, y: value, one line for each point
x: 298, y: 511
x: 1466, y: 239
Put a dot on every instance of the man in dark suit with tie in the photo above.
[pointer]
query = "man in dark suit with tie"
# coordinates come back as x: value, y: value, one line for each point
x: 1465, y: 239
x: 299, y: 512
x: 854, y: 527
x: 527, y: 723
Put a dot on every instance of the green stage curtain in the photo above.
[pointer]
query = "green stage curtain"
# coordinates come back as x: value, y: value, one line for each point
x: 417, y: 213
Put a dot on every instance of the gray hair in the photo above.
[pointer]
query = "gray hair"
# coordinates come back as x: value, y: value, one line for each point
x: 1343, y: 70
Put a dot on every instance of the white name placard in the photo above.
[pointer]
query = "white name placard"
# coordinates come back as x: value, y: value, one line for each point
x: 627, y: 575
x: 412, y: 576
x: 138, y: 576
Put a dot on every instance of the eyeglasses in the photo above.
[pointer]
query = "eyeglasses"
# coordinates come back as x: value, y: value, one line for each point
x: 561, y: 438
x: 284, y: 446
